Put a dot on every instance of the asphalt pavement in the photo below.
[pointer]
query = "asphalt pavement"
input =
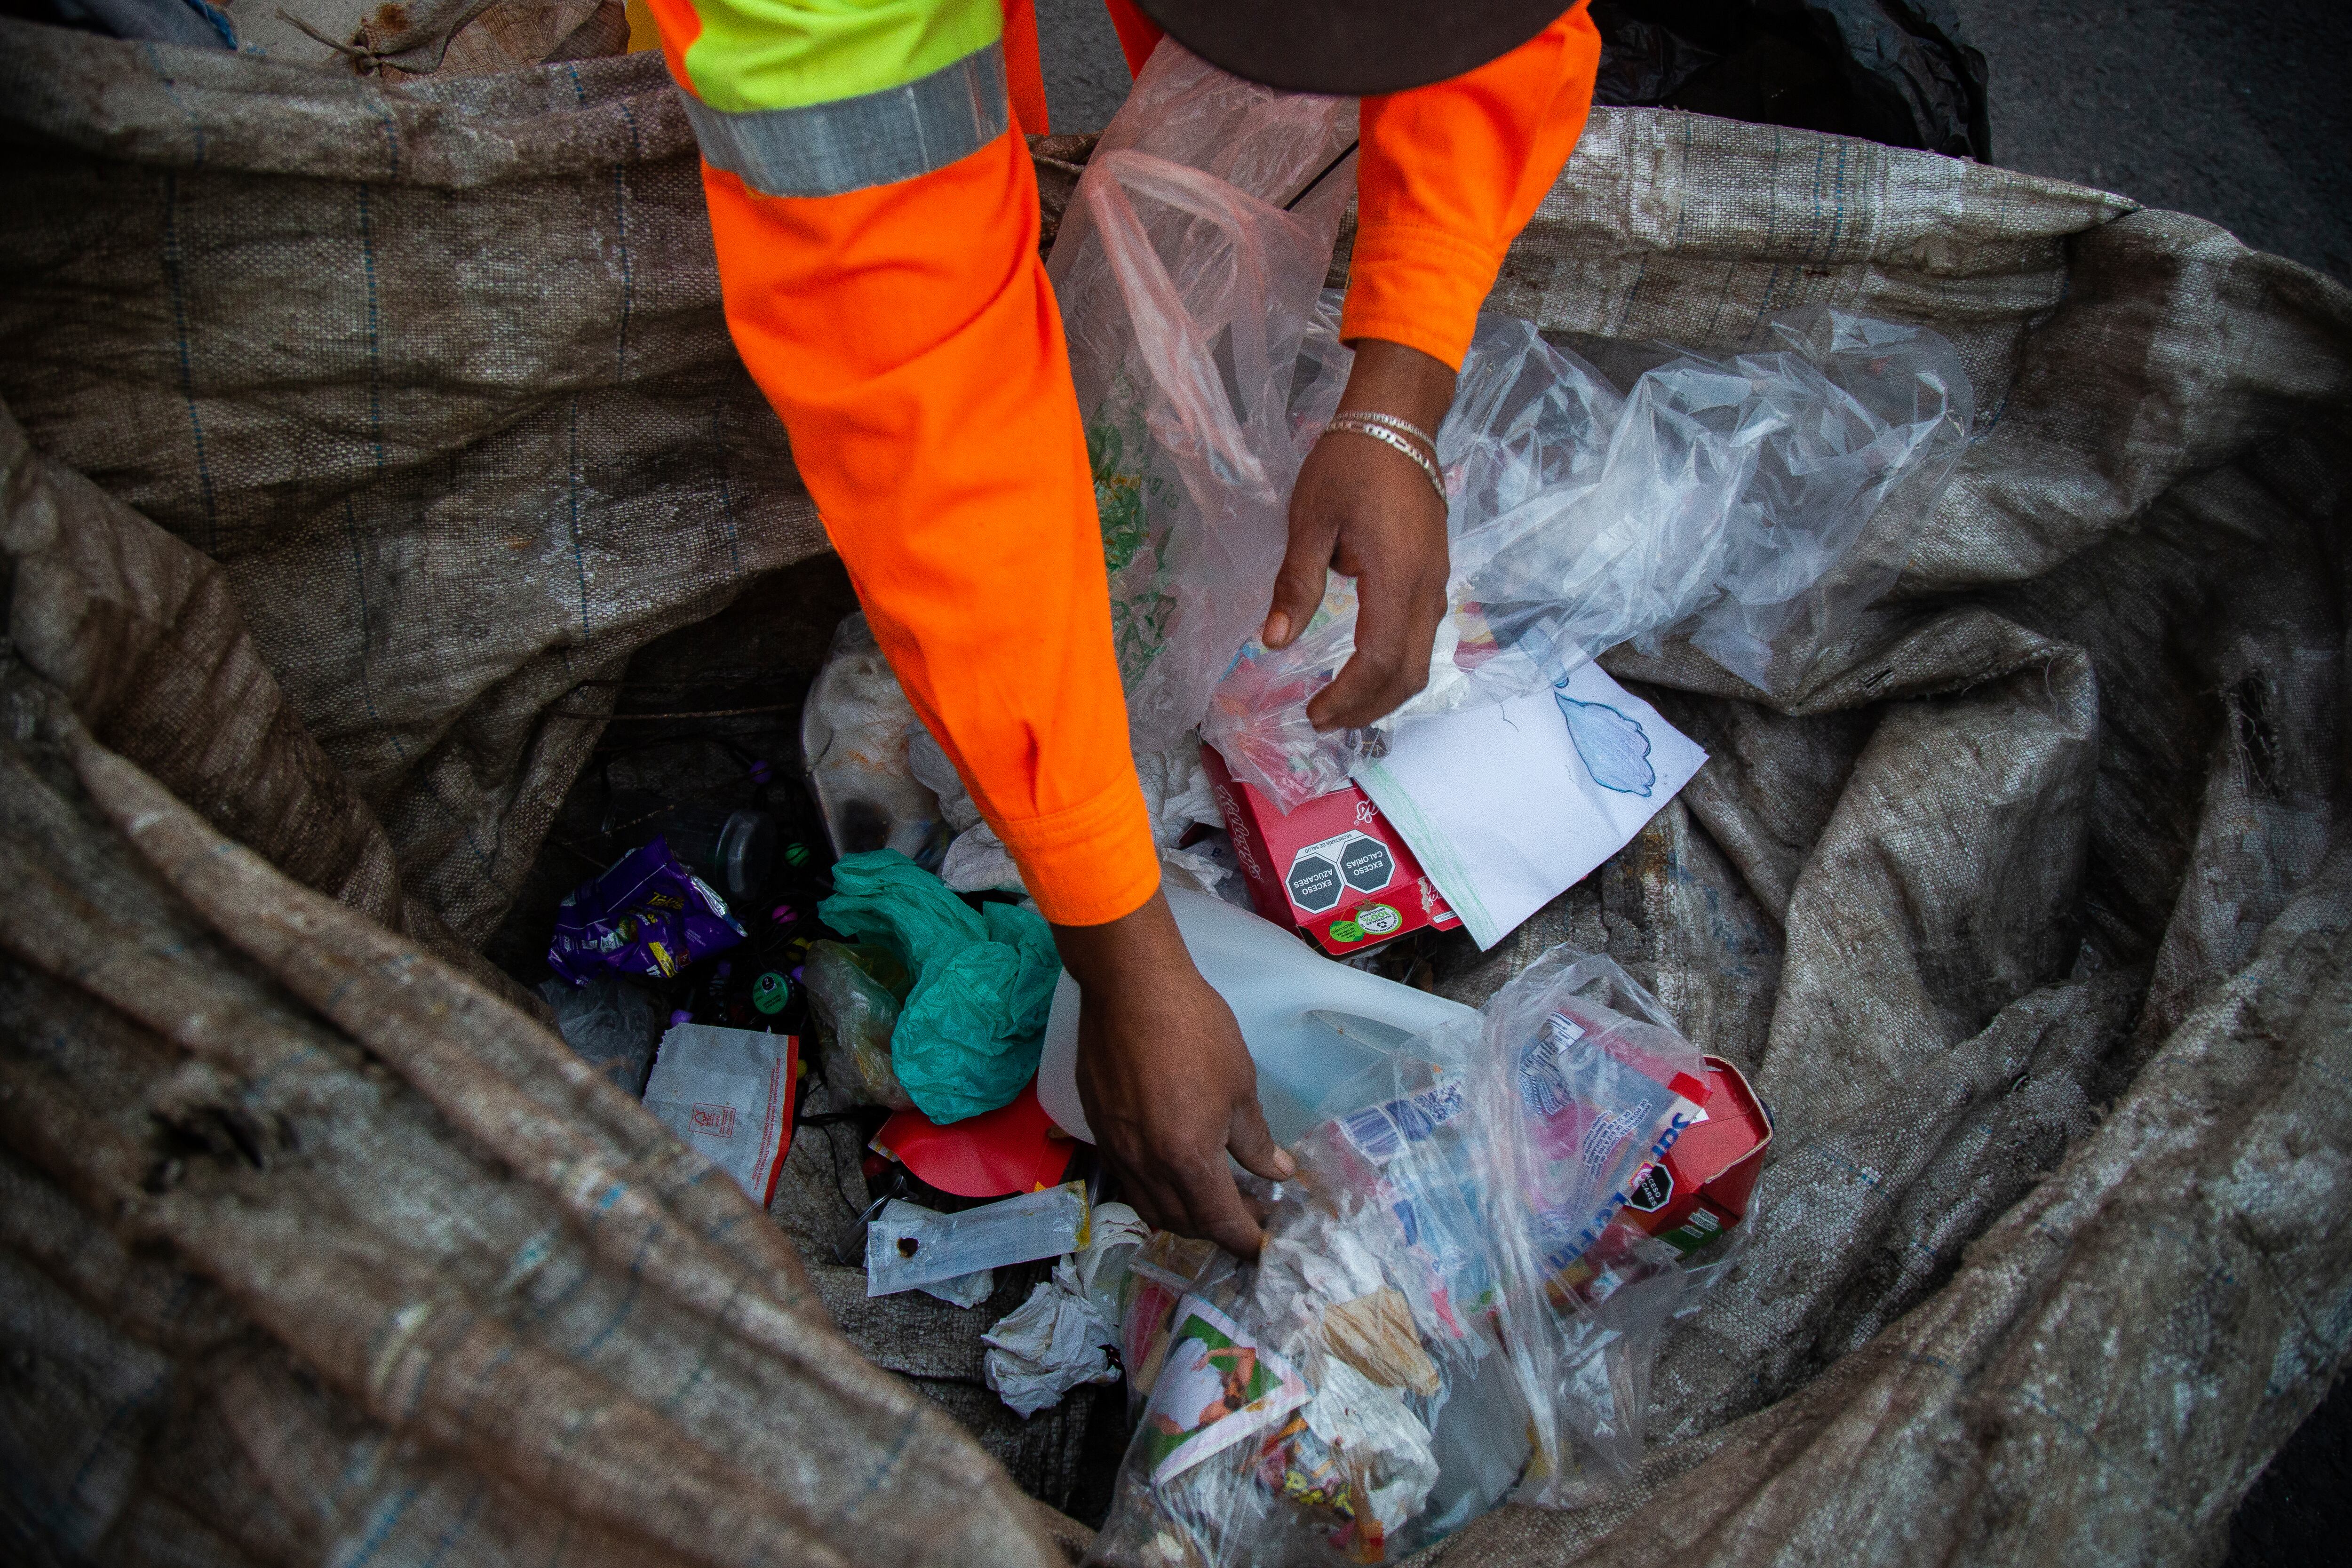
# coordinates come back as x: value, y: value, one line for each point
x: 2240, y: 113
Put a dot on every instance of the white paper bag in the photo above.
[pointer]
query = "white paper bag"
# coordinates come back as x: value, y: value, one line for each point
x: 729, y: 1093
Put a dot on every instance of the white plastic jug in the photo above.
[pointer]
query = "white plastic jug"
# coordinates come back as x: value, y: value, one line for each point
x: 1310, y: 1024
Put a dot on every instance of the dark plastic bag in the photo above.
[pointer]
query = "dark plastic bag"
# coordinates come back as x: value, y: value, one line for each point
x: 1897, y: 71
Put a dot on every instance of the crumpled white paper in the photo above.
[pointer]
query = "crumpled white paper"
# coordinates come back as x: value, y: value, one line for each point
x: 1048, y: 1345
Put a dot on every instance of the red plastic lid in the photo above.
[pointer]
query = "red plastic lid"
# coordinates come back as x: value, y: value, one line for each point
x: 1015, y: 1148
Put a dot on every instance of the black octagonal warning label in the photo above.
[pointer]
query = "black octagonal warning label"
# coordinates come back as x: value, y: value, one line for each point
x: 1365, y: 865
x: 1352, y: 862
x: 1314, y: 882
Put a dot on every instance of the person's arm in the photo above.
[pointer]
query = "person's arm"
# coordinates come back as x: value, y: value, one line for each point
x: 882, y: 283
x: 1450, y: 174
x: 908, y: 336
x: 1167, y: 1082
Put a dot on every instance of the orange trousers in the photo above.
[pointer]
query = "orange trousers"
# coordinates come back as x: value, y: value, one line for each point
x: 908, y: 339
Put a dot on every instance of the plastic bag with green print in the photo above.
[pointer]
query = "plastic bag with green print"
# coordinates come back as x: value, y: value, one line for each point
x: 1187, y: 269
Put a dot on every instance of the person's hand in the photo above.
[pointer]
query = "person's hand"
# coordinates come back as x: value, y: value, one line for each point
x: 1364, y: 509
x: 1168, y: 1086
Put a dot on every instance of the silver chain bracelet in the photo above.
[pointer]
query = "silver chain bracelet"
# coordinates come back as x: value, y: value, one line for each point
x: 1376, y: 426
x: 1402, y: 425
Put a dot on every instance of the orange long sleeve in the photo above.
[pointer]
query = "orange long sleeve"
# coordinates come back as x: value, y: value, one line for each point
x: 1451, y: 172
x: 908, y: 337
x: 1025, y: 69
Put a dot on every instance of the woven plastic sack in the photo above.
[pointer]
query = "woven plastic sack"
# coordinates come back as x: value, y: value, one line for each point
x: 2029, y: 909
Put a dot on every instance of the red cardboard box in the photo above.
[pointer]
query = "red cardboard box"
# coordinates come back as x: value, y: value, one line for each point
x: 1702, y: 1188
x: 1333, y: 867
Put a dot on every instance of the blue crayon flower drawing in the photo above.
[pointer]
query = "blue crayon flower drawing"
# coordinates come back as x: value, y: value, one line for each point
x: 1615, y: 749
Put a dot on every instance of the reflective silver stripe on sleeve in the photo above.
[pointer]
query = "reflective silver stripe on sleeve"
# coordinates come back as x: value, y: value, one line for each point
x: 874, y: 139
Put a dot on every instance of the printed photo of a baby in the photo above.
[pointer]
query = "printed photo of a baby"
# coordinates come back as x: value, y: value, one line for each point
x: 1216, y: 1388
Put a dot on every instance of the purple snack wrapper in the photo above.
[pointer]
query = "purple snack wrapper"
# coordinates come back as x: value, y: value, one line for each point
x: 645, y: 915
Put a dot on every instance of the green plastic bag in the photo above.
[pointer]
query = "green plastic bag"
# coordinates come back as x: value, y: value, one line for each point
x: 968, y: 1037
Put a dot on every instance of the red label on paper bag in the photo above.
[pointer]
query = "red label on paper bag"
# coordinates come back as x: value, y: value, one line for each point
x: 1334, y: 868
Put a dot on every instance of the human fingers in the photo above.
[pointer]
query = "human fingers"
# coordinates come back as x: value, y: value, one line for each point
x: 1251, y: 1142
x: 1214, y: 1207
x: 1306, y: 559
x: 1155, y: 1202
x: 1400, y: 600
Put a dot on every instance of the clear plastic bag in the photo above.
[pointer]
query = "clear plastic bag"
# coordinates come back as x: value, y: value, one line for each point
x: 1187, y: 270
x: 728, y: 1094
x: 1753, y: 503
x: 856, y: 1013
x: 1586, y: 1082
x: 908, y: 1245
x: 1447, y: 1311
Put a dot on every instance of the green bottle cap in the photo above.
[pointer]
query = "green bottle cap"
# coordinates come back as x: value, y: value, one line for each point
x: 771, y: 991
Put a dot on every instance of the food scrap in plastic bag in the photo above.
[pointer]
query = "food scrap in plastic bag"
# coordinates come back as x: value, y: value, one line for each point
x: 646, y: 915
x: 853, y: 992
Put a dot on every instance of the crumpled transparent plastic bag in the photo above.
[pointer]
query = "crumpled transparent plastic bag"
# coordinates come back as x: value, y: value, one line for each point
x: 1447, y: 1312
x: 610, y: 1023
x: 1753, y: 503
x: 855, y: 1015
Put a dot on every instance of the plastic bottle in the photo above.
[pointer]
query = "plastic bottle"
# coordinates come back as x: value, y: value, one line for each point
x: 855, y: 725
x: 1311, y: 1025
x: 734, y: 850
